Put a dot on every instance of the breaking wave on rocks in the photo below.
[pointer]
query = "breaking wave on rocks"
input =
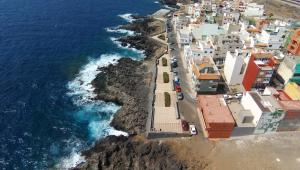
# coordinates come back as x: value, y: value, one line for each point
x: 96, y: 114
x: 120, y: 31
x: 127, y: 47
x: 127, y: 17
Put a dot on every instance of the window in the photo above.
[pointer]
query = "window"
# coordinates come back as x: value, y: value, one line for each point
x: 243, y: 68
x: 270, y: 45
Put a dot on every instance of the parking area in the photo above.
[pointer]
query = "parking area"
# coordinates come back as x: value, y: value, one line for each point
x: 165, y: 117
x: 187, y: 107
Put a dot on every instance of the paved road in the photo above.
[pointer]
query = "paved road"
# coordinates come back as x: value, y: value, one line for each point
x: 187, y: 106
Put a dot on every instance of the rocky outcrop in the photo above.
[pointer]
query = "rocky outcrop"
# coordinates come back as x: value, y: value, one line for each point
x: 128, y: 84
x: 141, y: 42
x: 122, y: 153
x: 124, y: 84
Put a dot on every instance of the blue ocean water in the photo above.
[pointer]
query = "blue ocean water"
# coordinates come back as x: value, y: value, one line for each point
x: 49, y: 53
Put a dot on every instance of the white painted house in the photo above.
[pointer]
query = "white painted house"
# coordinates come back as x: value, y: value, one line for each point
x: 184, y: 37
x: 266, y: 111
x: 234, y: 67
x: 254, y: 10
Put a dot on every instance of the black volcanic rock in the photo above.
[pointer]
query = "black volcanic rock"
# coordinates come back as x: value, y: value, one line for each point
x: 124, y: 84
x: 130, y: 153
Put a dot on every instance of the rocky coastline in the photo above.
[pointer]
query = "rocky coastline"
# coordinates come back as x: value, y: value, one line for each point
x: 128, y: 84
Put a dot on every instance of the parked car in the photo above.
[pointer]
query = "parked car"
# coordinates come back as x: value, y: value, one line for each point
x: 227, y: 96
x: 176, y: 79
x: 175, y: 72
x: 175, y: 84
x: 174, y: 60
x: 184, y: 125
x: 174, y: 64
x: 180, y: 96
x: 238, y: 95
x: 178, y: 88
x: 193, y: 130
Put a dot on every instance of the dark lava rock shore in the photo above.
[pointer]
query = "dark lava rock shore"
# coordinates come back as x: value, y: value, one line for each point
x: 124, y: 84
x: 122, y: 153
x: 128, y: 84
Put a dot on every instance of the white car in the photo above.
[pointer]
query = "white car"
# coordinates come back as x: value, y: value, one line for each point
x: 227, y: 97
x: 238, y: 95
x: 193, y: 130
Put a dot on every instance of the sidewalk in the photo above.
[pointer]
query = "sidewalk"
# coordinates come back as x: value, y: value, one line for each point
x: 165, y: 118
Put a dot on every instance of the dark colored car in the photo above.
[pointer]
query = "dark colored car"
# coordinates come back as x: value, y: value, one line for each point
x: 179, y: 96
x: 174, y: 64
x: 185, y: 125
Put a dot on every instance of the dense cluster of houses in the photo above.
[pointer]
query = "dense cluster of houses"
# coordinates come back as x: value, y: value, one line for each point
x: 236, y: 45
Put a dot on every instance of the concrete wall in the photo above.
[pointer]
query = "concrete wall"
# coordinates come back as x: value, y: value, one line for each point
x: 242, y: 131
x: 232, y: 68
x: 269, y: 122
x: 285, y: 72
x: 249, y: 104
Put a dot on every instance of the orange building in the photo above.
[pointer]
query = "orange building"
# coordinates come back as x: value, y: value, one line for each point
x: 294, y: 45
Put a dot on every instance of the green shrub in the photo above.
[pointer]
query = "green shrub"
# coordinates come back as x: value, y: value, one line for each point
x: 167, y: 99
x: 166, y: 77
x: 162, y: 37
x: 164, y: 61
x: 252, y: 21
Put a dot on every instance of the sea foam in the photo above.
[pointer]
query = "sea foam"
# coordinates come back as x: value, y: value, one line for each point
x: 127, y: 17
x: 97, y: 114
x: 127, y: 47
x: 120, y: 31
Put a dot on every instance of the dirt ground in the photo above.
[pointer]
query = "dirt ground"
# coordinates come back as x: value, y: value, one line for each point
x: 280, y: 10
x: 279, y: 151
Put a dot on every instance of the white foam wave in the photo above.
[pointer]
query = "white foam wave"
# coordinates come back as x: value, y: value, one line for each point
x: 81, y: 88
x: 97, y: 114
x: 156, y: 2
x: 127, y: 47
x: 128, y: 17
x: 120, y: 31
x: 70, y: 161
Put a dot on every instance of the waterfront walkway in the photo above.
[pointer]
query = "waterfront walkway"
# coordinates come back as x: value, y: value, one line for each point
x: 165, y: 118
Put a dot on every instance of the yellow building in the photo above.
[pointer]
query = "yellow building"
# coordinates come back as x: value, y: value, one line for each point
x: 292, y: 90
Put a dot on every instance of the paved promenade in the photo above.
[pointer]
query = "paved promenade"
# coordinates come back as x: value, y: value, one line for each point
x: 165, y: 118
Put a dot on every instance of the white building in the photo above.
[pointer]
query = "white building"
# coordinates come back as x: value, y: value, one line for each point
x: 254, y: 10
x: 224, y: 43
x: 184, y: 37
x: 286, y: 68
x: 198, y: 50
x: 230, y: 18
x: 234, y: 67
x: 265, y: 109
x: 273, y: 37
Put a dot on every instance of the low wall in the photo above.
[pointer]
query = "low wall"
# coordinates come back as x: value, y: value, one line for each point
x: 156, y: 135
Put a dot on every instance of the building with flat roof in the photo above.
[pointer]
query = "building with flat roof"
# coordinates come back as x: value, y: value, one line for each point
x: 234, y: 67
x: 223, y: 44
x: 206, y: 30
x: 266, y: 110
x: 288, y: 69
x: 292, y: 90
x: 253, y: 10
x: 294, y: 45
x: 259, y: 72
x: 217, y: 117
x: 291, y: 120
x: 205, y: 75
